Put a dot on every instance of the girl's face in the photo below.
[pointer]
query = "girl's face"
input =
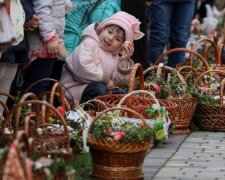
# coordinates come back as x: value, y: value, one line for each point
x: 112, y: 38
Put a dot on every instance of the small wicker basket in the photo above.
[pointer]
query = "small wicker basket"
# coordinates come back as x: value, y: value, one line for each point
x: 114, y: 160
x: 211, y: 117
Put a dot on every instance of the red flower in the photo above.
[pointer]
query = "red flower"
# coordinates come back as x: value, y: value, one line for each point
x: 61, y: 110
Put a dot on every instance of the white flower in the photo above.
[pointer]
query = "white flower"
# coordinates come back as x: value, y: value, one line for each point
x: 39, y: 131
x: 7, y: 131
x: 156, y: 106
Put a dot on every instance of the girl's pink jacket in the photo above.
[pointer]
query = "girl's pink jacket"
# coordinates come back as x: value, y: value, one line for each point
x: 89, y: 63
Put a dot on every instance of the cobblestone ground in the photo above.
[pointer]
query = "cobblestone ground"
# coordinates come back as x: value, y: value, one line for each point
x: 200, y: 155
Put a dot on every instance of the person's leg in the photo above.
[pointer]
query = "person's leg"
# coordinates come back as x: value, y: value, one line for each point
x: 118, y: 91
x: 7, y: 74
x: 93, y: 90
x: 180, y: 26
x: 57, y: 69
x: 38, y: 69
x: 159, y: 25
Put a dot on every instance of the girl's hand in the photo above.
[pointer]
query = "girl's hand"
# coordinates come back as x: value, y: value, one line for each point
x: 62, y: 51
x: 128, y: 50
x: 52, y: 48
x: 110, y: 85
x: 32, y: 24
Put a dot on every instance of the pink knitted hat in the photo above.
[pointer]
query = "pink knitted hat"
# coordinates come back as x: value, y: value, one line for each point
x: 127, y: 22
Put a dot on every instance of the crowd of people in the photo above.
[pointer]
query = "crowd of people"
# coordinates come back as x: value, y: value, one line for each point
x: 89, y: 45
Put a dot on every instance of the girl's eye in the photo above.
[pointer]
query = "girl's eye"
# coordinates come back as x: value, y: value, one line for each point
x: 110, y: 32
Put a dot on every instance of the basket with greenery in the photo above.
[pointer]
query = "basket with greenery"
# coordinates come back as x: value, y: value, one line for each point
x: 51, y: 131
x: 158, y: 118
x: 118, y: 144
x: 209, y: 114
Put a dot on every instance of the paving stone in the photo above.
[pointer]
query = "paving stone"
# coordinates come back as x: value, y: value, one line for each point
x: 200, y: 155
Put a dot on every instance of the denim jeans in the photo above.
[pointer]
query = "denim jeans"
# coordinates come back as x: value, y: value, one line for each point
x: 95, y: 89
x: 39, y: 69
x: 169, y: 22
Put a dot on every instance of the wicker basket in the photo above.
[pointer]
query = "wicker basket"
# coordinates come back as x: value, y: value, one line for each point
x: 186, y: 105
x: 207, y: 42
x: 93, y: 106
x: 114, y: 160
x: 191, y: 52
x: 210, y: 117
x: 62, y: 137
x: 138, y: 103
x: 57, y: 85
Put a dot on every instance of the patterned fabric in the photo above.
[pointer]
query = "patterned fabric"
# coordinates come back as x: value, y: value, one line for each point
x: 13, y: 169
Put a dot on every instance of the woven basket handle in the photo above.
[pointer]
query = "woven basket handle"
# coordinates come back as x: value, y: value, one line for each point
x: 51, y: 80
x: 24, y: 97
x: 3, y: 104
x: 222, y: 93
x: 117, y: 108
x: 137, y: 68
x: 138, y: 92
x: 183, y: 83
x: 57, y: 86
x: 37, y: 104
x: 89, y: 102
x: 206, y: 49
x: 8, y: 96
x: 183, y: 50
x: 220, y: 47
x: 46, y: 93
x: 155, y: 67
x: 21, y: 137
x: 192, y: 70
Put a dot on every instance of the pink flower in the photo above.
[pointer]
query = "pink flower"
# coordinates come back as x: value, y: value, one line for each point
x: 118, y: 135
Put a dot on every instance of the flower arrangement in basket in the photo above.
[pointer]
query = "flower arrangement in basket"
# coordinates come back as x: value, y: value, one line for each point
x: 49, y: 130
x: 118, y: 144
x: 169, y: 84
x: 158, y: 118
x: 51, y: 168
x: 78, y: 121
x: 160, y: 125
x: 209, y: 114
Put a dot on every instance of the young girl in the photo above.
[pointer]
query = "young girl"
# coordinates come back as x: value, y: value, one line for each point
x: 46, y: 43
x: 95, y: 66
x: 85, y: 13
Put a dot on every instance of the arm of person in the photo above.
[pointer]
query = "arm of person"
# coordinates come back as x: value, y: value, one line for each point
x: 47, y: 29
x: 84, y: 64
x: 121, y: 75
x: 29, y: 12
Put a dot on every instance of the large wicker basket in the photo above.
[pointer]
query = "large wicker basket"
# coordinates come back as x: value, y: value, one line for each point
x: 186, y: 105
x: 114, y: 160
x: 138, y: 103
x: 37, y: 120
x: 211, y: 117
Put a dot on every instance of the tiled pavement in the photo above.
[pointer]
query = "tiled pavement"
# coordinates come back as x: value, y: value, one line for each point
x: 200, y: 155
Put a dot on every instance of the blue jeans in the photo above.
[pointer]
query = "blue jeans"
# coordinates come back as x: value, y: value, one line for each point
x: 169, y: 22
x: 95, y: 89
x: 39, y: 69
